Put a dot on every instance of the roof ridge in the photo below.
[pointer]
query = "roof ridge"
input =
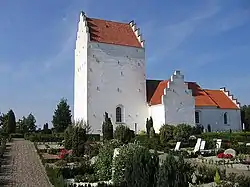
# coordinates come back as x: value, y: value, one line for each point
x: 127, y: 23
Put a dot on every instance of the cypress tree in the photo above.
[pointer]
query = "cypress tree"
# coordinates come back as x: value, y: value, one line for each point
x: 11, y: 127
x: 107, y: 128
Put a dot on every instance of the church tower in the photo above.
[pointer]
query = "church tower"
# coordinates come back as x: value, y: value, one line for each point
x: 109, y: 74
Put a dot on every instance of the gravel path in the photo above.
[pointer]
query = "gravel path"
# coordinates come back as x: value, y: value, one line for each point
x: 21, y: 166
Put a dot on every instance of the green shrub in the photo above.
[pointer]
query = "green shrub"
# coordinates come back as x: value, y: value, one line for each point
x: 55, y: 176
x: 104, y: 160
x: 135, y: 166
x: 78, y: 140
x: 40, y: 137
x: 205, y: 173
x: 91, y: 149
x: 150, y: 143
x: 93, y: 137
x: 68, y: 134
x: 182, y: 132
x: 166, y: 134
x: 241, y: 179
x: 123, y: 134
x: 174, y: 172
x: 16, y: 135
x: 234, y: 136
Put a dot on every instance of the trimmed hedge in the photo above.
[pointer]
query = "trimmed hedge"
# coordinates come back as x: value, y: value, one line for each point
x: 39, y: 137
x: 16, y: 135
x: 57, y: 137
x: 233, y: 137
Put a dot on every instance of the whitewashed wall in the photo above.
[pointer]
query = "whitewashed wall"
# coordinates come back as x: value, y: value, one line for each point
x: 158, y: 115
x: 178, y: 101
x: 80, y: 74
x: 116, y: 76
x: 214, y: 117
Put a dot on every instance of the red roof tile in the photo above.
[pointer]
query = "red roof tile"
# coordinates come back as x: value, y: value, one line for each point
x: 201, y: 97
x: 111, y: 32
x: 157, y: 96
x: 221, y: 99
x: 214, y: 98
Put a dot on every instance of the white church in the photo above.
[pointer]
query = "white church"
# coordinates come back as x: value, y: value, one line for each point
x: 110, y: 76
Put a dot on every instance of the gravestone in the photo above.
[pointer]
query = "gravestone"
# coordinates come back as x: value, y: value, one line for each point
x: 230, y: 151
x: 177, y: 146
x: 203, y: 143
x: 197, y: 145
x: 218, y: 143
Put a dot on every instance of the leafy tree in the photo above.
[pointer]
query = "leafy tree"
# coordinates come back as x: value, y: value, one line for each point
x: 78, y: 140
x: 182, y: 132
x: 174, y: 172
x: 123, y: 134
x: 4, y: 120
x: 62, y: 116
x: 31, y: 123
x: 107, y: 128
x: 11, y: 127
x: 22, y: 125
x: 166, y: 133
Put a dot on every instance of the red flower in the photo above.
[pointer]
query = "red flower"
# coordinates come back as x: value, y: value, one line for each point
x: 63, y: 153
x: 227, y: 156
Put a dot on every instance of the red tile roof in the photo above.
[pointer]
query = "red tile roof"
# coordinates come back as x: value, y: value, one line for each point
x: 221, y: 99
x: 201, y: 97
x: 213, y: 98
x: 156, y: 98
x: 111, y: 32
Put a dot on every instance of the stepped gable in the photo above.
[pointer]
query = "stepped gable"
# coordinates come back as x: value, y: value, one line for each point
x: 203, y: 97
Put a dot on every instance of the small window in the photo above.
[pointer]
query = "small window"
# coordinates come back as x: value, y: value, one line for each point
x: 225, y: 118
x: 119, y: 114
x: 197, y: 117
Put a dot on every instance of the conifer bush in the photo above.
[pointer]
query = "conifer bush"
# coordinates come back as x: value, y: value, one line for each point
x: 107, y: 128
x: 123, y: 134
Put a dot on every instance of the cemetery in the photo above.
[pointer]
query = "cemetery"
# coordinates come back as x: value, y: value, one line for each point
x: 78, y: 161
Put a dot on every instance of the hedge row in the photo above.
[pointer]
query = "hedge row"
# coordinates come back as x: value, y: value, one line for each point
x: 227, y: 136
x: 39, y: 137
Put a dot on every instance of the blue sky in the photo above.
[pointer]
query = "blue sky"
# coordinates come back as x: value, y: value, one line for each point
x: 208, y: 41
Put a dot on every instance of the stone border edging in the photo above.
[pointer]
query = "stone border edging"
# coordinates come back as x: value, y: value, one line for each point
x: 40, y: 162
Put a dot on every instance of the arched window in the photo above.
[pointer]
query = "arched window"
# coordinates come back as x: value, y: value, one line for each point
x: 225, y: 118
x: 119, y: 114
x: 209, y: 128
